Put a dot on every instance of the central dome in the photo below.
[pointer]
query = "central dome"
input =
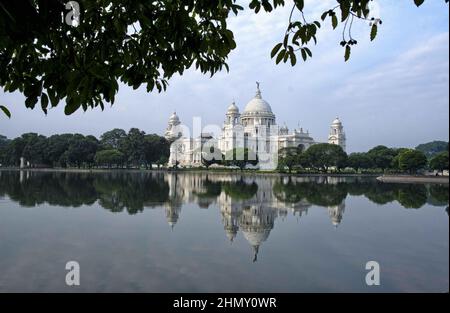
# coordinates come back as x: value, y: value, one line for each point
x: 258, y: 105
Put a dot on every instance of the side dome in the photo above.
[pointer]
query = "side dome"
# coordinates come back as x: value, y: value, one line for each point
x: 174, y: 119
x: 233, y: 108
x: 337, y: 121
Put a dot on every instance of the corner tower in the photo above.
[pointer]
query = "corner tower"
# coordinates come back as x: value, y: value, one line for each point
x: 337, y: 134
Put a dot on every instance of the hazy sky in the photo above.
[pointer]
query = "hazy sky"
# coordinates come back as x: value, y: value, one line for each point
x: 393, y: 91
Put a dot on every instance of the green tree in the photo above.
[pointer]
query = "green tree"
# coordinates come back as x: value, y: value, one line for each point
x: 109, y: 157
x: 359, y: 161
x: 433, y: 148
x: 36, y: 151
x: 113, y: 139
x: 134, y: 147
x: 57, y: 145
x: 322, y: 156
x: 289, y: 157
x: 48, y: 59
x: 395, y: 163
x: 412, y: 160
x: 382, y: 157
x: 81, y: 150
x: 16, y: 148
x: 4, y: 142
x: 240, y: 157
x: 440, y: 161
x: 155, y: 148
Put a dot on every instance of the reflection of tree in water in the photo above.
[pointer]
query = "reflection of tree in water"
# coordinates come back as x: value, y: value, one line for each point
x: 287, y: 192
x: 377, y: 192
x: 115, y: 191
x: 412, y: 196
x: 62, y: 189
x: 210, y: 191
x: 321, y: 194
x: 131, y: 191
x: 438, y: 195
x: 119, y: 191
x: 240, y: 190
x: 326, y: 194
x: 407, y: 195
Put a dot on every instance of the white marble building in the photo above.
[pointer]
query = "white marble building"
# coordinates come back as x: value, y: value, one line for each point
x: 255, y: 129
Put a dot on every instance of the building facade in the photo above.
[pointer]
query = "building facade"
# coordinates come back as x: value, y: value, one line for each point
x: 255, y: 129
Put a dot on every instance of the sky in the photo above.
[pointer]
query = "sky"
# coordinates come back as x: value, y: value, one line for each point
x: 393, y: 91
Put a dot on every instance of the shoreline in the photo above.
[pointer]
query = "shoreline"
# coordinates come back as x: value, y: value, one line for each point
x: 203, y: 171
x: 379, y: 177
x: 407, y: 179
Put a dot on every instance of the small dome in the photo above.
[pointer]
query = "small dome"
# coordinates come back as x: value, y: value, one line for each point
x: 233, y: 108
x: 337, y: 121
x: 174, y: 119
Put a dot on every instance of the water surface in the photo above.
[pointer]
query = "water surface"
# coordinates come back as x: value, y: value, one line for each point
x: 198, y: 232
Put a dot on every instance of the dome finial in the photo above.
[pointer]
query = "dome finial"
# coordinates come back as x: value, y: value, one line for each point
x: 258, y: 91
x: 255, y: 255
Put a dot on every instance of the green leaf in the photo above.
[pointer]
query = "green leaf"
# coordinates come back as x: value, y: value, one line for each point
x: 419, y: 2
x: 308, y: 51
x: 30, y: 102
x: 300, y: 4
x: 275, y: 50
x: 5, y: 110
x: 44, y: 101
x: 345, y: 11
x: 71, y: 106
x: 347, y: 53
x: 293, y: 59
x: 324, y: 15
x: 334, y: 21
x: 304, y: 55
x: 280, y: 56
x: 373, y: 32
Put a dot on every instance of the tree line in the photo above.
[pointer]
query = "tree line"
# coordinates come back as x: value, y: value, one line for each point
x: 115, y: 148
x: 322, y: 157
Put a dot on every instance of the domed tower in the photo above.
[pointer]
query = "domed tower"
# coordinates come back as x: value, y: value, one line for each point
x: 232, y: 116
x: 173, y: 130
x: 337, y: 134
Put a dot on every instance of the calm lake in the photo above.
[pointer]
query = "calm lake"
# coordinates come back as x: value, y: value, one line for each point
x: 212, y: 232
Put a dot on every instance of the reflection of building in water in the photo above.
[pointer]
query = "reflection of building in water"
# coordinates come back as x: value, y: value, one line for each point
x: 336, y: 212
x: 249, y: 204
x: 172, y: 214
x: 256, y: 222
x: 230, y: 219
